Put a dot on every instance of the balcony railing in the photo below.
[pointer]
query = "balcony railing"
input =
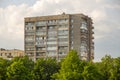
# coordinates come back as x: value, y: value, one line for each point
x: 92, y: 27
x: 40, y: 45
x: 52, y: 23
x: 92, y: 37
x: 29, y: 33
x: 92, y: 32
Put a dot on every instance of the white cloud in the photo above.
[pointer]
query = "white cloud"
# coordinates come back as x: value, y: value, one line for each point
x: 98, y: 15
x: 12, y: 17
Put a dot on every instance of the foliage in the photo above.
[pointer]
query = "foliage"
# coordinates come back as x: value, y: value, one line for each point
x: 110, y: 68
x: 20, y: 69
x: 3, y: 67
x: 73, y: 68
x: 91, y: 72
x: 44, y: 68
x: 70, y: 68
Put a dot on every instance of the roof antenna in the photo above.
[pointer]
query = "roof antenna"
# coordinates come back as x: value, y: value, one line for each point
x: 63, y: 13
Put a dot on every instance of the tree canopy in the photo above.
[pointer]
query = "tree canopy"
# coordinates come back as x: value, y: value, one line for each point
x: 70, y: 68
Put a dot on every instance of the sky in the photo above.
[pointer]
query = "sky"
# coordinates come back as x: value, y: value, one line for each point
x: 104, y: 13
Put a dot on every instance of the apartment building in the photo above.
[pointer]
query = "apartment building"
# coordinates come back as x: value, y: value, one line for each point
x: 53, y: 36
x: 9, y: 54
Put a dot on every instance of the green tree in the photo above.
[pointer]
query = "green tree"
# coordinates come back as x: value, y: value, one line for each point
x: 70, y: 69
x: 115, y: 69
x: 25, y: 60
x: 106, y: 66
x: 3, y: 68
x: 20, y: 69
x: 91, y: 72
x: 28, y: 63
x: 44, y: 68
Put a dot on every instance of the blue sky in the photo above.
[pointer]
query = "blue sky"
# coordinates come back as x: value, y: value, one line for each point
x: 105, y: 15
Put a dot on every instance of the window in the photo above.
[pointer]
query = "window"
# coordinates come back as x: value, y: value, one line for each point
x: 72, y: 20
x: 52, y: 37
x: 52, y: 32
x: 63, y: 26
x: 63, y: 42
x: 61, y: 53
x: 83, y: 25
x: 71, y: 26
x: 39, y: 23
x: 29, y: 38
x: 62, y: 36
x: 1, y: 54
x: 71, y: 31
x: 29, y: 26
x: 40, y: 38
x: 63, y: 21
x: 51, y: 53
x: 71, y: 42
x: 52, y: 42
x: 40, y: 33
x: 50, y: 27
x: 40, y: 27
x: 9, y: 54
x: 52, y: 48
x: 66, y: 20
x: 84, y: 31
x: 63, y: 47
x: 30, y: 48
x: 83, y: 48
x: 71, y: 47
x: 62, y: 32
x: 40, y: 48
x: 32, y: 27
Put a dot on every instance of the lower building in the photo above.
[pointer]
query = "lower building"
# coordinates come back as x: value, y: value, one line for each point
x: 9, y: 54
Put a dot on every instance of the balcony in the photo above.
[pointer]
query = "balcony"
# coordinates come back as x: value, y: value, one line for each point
x: 92, y: 43
x: 51, y: 50
x: 92, y: 47
x: 29, y: 40
x: 40, y: 30
x: 40, y: 34
x: 62, y: 55
x: 92, y: 55
x: 92, y: 27
x: 41, y: 51
x: 92, y: 37
x: 41, y: 56
x: 40, y: 45
x: 52, y: 29
x: 63, y: 21
x: 52, y: 23
x: 92, y: 32
x: 63, y: 44
x: 41, y: 24
x: 9, y: 56
x: 83, y: 36
x: 29, y: 44
x: 30, y: 54
x: 63, y: 50
x: 29, y: 33
x: 52, y: 56
x: 62, y: 28
x: 83, y: 31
